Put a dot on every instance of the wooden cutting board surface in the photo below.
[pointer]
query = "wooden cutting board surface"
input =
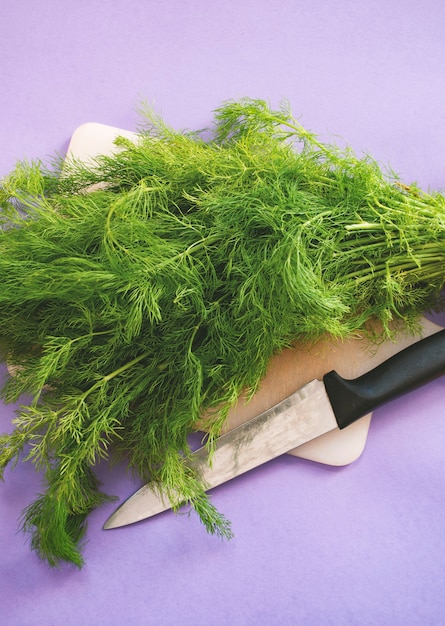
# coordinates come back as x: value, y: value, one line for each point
x: 293, y: 368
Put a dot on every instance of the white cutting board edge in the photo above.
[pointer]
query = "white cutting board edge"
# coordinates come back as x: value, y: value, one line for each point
x: 336, y: 448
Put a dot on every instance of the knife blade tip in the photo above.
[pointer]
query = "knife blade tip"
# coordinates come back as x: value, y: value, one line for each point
x: 111, y: 522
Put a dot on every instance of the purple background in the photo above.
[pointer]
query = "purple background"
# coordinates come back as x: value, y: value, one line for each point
x: 315, y: 545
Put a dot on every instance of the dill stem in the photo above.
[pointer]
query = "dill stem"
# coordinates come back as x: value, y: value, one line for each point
x: 97, y: 333
x: 126, y: 366
x: 110, y: 376
x: 396, y: 265
x: 194, y: 247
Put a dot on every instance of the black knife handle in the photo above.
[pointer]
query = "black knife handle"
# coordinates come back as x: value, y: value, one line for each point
x: 408, y: 369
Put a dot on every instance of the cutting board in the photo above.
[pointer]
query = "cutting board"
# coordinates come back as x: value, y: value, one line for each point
x: 294, y: 367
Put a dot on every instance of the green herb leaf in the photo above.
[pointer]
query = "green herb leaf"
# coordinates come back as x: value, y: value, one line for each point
x: 146, y: 289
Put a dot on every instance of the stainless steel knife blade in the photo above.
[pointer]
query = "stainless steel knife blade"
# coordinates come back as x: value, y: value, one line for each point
x: 262, y: 438
x: 313, y: 410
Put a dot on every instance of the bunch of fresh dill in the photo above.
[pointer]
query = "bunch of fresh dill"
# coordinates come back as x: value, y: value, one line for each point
x: 130, y: 308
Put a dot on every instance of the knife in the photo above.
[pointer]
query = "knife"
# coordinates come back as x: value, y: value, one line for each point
x: 315, y: 409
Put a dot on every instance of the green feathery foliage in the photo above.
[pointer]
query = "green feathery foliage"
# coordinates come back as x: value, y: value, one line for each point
x: 156, y: 284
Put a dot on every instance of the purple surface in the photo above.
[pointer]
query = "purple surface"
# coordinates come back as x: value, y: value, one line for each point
x: 314, y: 545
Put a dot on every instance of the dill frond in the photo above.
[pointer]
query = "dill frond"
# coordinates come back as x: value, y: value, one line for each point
x: 142, y: 290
